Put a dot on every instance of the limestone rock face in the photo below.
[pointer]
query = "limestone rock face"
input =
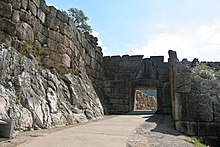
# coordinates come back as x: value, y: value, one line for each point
x: 38, y: 98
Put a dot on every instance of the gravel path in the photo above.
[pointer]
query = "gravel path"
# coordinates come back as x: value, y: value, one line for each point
x: 157, y: 131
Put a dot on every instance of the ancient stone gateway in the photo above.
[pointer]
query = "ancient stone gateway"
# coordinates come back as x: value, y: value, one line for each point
x: 124, y: 75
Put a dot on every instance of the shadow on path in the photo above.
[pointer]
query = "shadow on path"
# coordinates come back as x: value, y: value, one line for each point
x: 164, y: 124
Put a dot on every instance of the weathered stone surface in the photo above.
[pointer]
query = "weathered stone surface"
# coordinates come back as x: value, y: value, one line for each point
x: 15, y: 16
x: 53, y: 11
x: 25, y: 16
x: 5, y: 9
x: 16, y: 4
x: 36, y: 97
x: 56, y: 36
x: 32, y: 7
x: 52, y: 22
x: 62, y: 16
x: 44, y: 7
x: 66, y: 30
x: 41, y: 15
x: 172, y: 56
x: 66, y: 60
x: 217, y: 111
x: 41, y: 38
x: 7, y: 26
x: 25, y: 32
x: 52, y: 44
x: 24, y: 4
x: 200, y: 107
x: 209, y: 129
x: 61, y: 48
x: 36, y: 2
x: 190, y: 128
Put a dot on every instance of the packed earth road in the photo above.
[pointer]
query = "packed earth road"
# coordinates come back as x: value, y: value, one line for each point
x: 132, y: 130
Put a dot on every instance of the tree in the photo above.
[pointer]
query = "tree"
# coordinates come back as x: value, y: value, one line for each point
x: 80, y: 19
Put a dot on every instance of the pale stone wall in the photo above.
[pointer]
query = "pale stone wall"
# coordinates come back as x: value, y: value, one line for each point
x: 32, y: 25
x: 144, y: 101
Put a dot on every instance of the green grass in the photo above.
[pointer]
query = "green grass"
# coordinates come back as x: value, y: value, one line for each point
x: 195, y: 141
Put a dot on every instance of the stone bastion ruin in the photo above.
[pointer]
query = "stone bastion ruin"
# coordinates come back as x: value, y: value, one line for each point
x: 51, y: 74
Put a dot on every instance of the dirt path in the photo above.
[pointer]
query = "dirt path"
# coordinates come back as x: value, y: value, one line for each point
x: 133, y: 130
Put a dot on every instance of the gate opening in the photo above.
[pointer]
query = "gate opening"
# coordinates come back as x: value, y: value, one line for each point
x: 145, y: 99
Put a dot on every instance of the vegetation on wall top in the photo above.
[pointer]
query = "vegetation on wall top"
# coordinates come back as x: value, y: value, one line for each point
x: 79, y: 18
x: 206, y: 72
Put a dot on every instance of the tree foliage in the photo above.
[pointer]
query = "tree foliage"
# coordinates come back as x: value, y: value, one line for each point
x: 80, y: 19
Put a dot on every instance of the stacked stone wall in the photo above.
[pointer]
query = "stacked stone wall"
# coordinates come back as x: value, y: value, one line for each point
x: 123, y: 74
x: 195, y: 103
x: 32, y: 26
x: 145, y: 101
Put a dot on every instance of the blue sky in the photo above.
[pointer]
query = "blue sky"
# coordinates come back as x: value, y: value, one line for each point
x: 152, y: 27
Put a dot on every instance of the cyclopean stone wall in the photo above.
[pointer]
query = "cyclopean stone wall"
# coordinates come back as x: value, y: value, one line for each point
x: 195, y: 102
x: 144, y: 101
x: 123, y: 75
x: 32, y: 26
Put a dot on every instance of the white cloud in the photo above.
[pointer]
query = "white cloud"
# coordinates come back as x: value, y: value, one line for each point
x: 201, y: 41
x: 100, y: 43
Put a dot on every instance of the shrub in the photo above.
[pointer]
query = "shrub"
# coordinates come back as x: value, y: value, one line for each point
x: 204, y: 71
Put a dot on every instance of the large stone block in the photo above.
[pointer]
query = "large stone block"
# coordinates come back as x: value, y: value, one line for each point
x: 163, y: 78
x: 62, y: 16
x: 66, y: 60
x: 189, y: 128
x: 16, y: 4
x: 124, y: 76
x: 24, y: 4
x: 56, y: 36
x: 200, y: 108
x: 53, y: 11
x: 109, y: 76
x: 41, y: 15
x: 25, y: 16
x: 32, y: 7
x: 180, y: 107
x: 183, y: 82
x: 7, y: 26
x: 36, y: 2
x: 118, y: 83
x: 216, y: 111
x: 25, y: 32
x: 52, y: 22
x: 163, y: 71
x: 61, y: 48
x: 37, y: 26
x: 157, y: 59
x: 45, y: 31
x: 66, y: 30
x: 212, y: 141
x: 44, y: 7
x: 5, y: 38
x: 5, y: 9
x: 209, y: 129
x: 41, y: 38
x: 16, y: 16
x: 52, y: 44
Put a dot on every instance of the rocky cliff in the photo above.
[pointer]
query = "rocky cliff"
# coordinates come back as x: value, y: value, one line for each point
x: 40, y: 98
